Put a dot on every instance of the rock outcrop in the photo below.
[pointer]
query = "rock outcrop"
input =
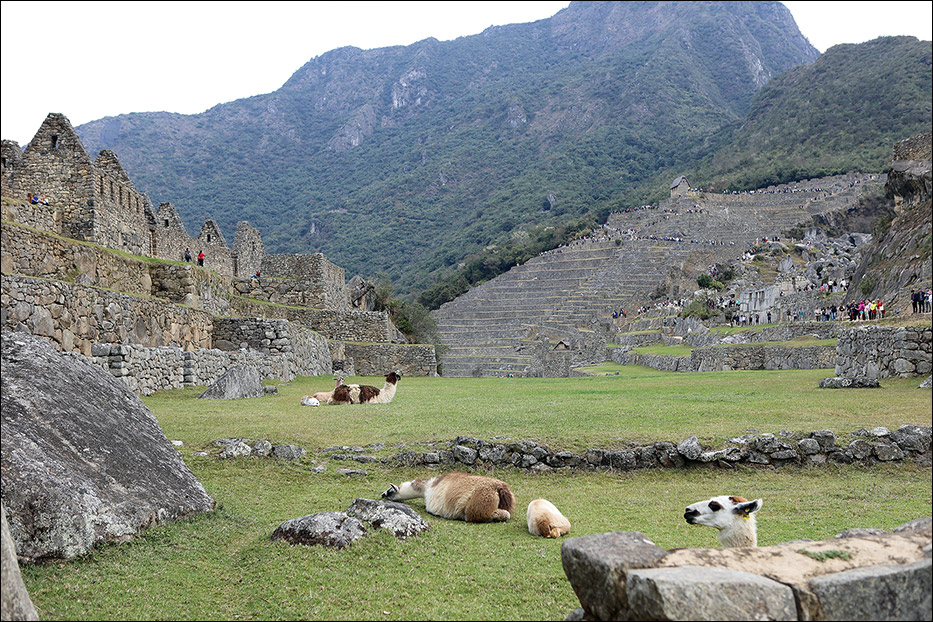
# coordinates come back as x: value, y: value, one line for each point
x: 83, y: 460
x: 625, y: 576
x: 238, y: 382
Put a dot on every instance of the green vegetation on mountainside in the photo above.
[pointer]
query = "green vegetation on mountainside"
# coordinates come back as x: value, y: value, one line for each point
x: 432, y: 165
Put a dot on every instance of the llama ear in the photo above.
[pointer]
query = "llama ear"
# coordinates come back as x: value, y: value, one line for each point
x: 747, y: 509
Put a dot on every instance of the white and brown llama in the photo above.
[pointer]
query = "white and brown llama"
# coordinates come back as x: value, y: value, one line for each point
x: 734, y: 517
x: 544, y: 519
x: 459, y: 496
x: 365, y: 394
x: 320, y: 397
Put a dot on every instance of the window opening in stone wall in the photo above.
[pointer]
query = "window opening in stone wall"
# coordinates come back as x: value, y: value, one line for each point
x: 208, y: 238
x: 166, y: 223
x: 54, y: 141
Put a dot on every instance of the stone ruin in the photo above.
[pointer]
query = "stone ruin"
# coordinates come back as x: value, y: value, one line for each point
x: 61, y: 281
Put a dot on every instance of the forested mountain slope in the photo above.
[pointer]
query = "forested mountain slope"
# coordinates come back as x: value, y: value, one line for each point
x: 402, y: 161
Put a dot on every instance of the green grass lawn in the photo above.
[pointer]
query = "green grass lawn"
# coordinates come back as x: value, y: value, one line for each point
x: 223, y: 565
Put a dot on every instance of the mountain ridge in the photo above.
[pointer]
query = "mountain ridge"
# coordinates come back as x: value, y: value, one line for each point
x: 402, y: 161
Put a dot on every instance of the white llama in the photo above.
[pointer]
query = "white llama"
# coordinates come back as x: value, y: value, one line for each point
x: 365, y: 394
x: 459, y: 496
x: 734, y: 517
x: 544, y: 519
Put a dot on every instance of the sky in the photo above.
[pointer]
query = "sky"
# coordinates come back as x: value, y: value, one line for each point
x: 90, y: 60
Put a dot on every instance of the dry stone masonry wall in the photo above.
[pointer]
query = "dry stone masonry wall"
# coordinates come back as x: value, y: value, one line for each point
x: 882, y: 352
x: 805, y: 449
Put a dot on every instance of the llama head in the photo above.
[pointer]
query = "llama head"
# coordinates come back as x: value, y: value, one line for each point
x: 721, y: 512
x: 391, y: 493
x: 394, y: 377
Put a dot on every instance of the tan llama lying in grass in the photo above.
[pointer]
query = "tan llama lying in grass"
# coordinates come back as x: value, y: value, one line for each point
x: 544, y: 519
x: 734, y: 517
x: 459, y: 496
x: 320, y: 397
x: 365, y: 394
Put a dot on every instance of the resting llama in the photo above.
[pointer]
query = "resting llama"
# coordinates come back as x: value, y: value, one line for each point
x: 459, y: 496
x: 734, y: 517
x: 321, y: 397
x: 544, y: 519
x: 365, y: 394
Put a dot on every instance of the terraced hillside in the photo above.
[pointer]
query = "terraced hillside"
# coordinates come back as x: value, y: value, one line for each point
x: 569, y: 294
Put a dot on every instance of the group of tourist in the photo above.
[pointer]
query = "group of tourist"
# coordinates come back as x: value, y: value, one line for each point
x: 863, y: 310
x: 922, y: 301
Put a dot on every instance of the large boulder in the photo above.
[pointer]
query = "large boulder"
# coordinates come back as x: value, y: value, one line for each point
x: 236, y: 383
x: 83, y: 460
x: 15, y: 603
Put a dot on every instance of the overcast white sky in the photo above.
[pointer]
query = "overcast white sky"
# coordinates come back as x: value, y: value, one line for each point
x: 90, y: 60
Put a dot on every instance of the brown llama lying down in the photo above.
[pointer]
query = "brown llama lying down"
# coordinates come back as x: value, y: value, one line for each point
x: 321, y: 397
x: 365, y: 394
x: 734, y: 517
x: 544, y: 519
x: 459, y: 496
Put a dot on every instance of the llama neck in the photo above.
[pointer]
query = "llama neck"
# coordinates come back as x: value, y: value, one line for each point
x: 385, y: 396
x: 743, y: 532
x: 412, y: 490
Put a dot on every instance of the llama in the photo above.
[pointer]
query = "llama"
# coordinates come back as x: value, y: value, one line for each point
x: 365, y: 394
x: 322, y: 397
x: 734, y: 517
x: 546, y: 520
x: 459, y: 496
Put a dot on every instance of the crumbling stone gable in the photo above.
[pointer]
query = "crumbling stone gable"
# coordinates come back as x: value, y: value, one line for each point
x: 218, y: 256
x: 248, y: 250
x: 56, y: 164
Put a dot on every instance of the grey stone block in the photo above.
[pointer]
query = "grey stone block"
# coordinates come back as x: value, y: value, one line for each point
x: 883, y: 592
x: 595, y: 566
x: 703, y: 593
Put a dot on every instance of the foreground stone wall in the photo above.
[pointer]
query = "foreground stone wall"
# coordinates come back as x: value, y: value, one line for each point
x: 378, y: 359
x: 812, y: 449
x: 882, y: 352
x: 625, y: 576
x: 74, y: 317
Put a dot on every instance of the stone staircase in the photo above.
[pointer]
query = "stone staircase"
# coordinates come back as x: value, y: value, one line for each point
x: 569, y: 294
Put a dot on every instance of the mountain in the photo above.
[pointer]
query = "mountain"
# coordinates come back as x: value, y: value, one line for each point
x: 843, y: 112
x: 402, y: 161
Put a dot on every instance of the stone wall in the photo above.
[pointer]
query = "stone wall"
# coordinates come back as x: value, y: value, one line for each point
x: 728, y: 358
x: 378, y: 359
x: 327, y: 278
x: 867, y: 447
x: 735, y: 357
x: 882, y: 352
x: 43, y: 217
x: 74, y: 317
x: 336, y: 325
x: 42, y: 255
x: 123, y: 216
x: 145, y: 370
